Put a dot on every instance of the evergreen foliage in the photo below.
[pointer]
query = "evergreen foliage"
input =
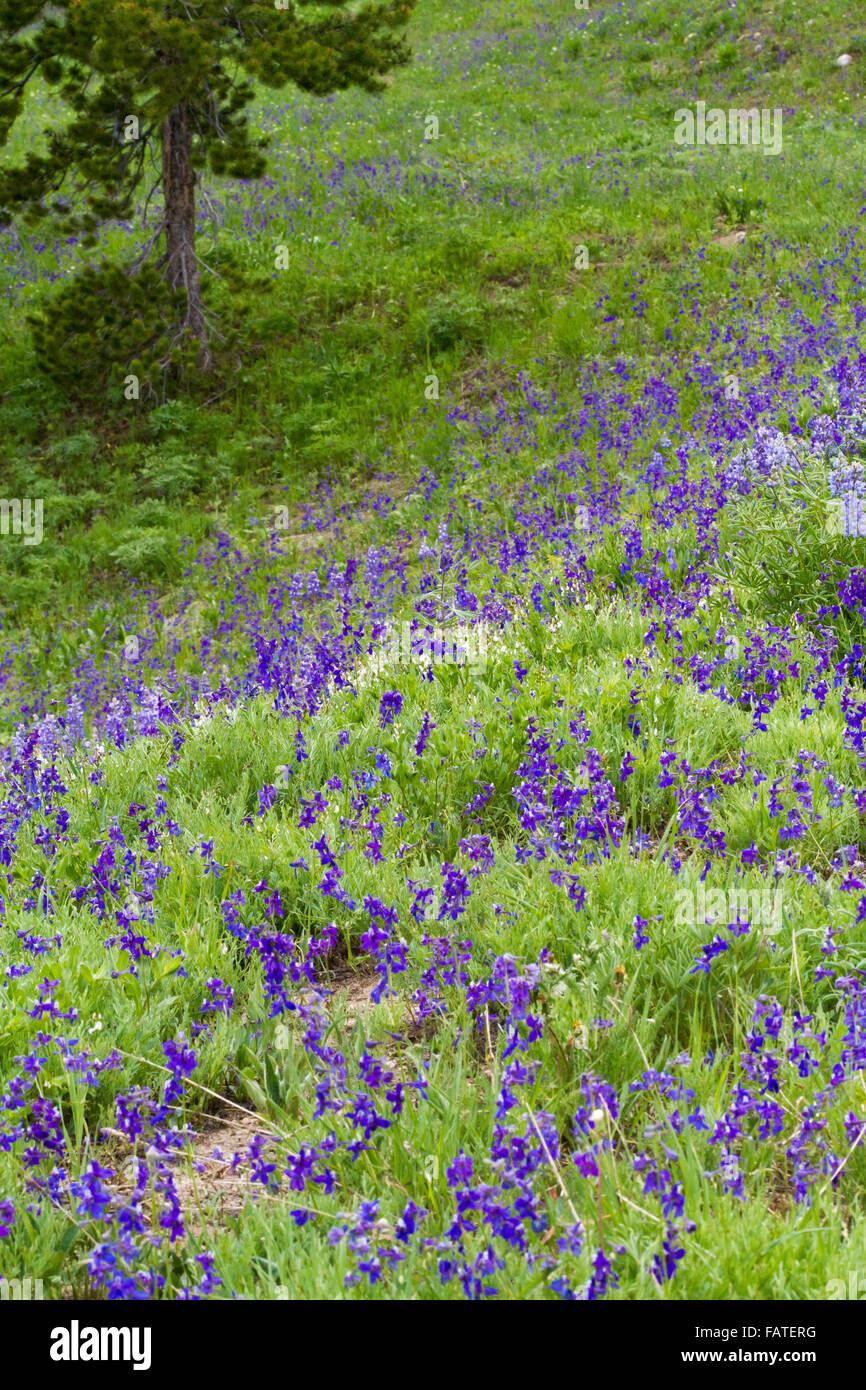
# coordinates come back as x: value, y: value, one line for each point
x: 156, y: 91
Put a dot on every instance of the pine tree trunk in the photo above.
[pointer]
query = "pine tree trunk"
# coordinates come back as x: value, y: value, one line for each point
x: 178, y: 184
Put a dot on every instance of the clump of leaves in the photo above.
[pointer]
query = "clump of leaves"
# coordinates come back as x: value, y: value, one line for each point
x: 727, y: 56
x: 170, y: 475
x: 737, y: 204
x: 449, y: 321
x: 784, y: 556
x: 147, y: 552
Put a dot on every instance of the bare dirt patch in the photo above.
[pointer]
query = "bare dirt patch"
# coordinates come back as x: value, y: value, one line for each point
x: 210, y: 1193
x: 355, y: 989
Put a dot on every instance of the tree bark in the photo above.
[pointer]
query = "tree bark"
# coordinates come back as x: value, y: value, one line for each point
x: 178, y: 186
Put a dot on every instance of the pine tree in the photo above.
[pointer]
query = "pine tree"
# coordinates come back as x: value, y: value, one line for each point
x: 156, y: 90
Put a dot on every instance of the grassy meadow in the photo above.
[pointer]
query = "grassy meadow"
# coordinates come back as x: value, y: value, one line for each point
x: 431, y: 820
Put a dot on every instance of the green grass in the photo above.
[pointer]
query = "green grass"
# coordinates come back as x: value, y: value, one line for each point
x: 386, y: 284
x: 469, y: 276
